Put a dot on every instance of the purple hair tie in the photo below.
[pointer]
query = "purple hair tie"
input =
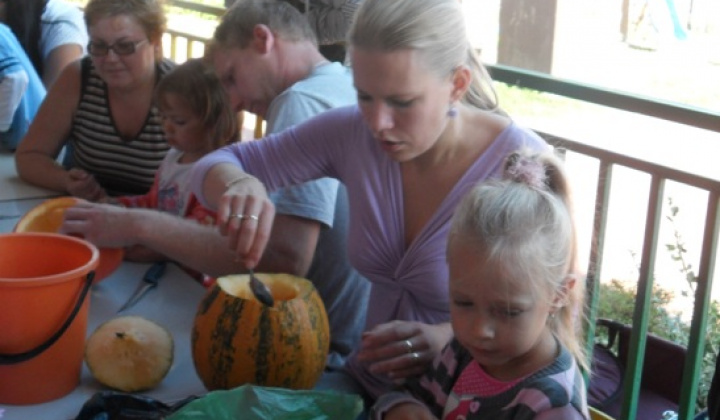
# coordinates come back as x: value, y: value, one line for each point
x: 524, y: 170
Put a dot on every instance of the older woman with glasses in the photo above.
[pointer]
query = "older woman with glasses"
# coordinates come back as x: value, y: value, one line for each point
x: 101, y: 109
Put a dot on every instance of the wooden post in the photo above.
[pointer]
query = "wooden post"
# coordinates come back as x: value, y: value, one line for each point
x: 527, y: 34
x: 625, y: 19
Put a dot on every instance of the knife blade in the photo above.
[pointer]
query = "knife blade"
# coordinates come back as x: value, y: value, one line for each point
x: 148, y: 282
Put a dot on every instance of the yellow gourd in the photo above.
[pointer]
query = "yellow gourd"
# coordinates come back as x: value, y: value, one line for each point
x: 129, y: 353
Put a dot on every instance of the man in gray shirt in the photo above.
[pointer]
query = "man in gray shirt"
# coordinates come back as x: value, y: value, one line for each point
x: 267, y: 58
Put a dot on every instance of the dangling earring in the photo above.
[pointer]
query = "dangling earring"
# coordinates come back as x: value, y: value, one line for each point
x: 452, y: 111
x: 551, y: 318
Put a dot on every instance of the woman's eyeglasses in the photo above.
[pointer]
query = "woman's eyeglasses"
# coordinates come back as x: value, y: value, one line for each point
x: 120, y: 48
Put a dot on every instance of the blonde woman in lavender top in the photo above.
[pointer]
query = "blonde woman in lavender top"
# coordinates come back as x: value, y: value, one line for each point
x: 425, y: 130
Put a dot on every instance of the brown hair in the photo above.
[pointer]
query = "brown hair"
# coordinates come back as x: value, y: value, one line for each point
x: 199, y: 86
x: 285, y: 21
x: 148, y: 13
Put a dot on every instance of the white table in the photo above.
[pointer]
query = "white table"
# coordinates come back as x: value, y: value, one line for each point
x: 172, y: 304
x: 12, y: 187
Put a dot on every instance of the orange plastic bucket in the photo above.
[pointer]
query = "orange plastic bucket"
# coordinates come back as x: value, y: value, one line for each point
x: 44, y: 283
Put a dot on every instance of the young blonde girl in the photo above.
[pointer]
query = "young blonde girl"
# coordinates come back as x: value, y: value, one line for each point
x: 514, y: 296
x: 196, y: 118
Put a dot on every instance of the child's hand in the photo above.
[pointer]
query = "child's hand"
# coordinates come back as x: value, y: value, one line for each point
x: 83, y: 185
x: 409, y: 411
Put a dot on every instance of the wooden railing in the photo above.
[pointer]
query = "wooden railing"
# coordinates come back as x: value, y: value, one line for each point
x: 182, y: 43
x: 659, y: 175
x: 608, y: 162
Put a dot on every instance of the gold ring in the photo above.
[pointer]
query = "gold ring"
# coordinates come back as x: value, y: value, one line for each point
x: 409, y: 345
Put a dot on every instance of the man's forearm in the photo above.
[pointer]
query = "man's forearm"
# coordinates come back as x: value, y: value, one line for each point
x: 204, y: 249
x: 197, y: 246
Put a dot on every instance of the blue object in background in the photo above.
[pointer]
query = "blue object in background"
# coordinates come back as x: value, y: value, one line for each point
x: 12, y: 60
x: 678, y: 29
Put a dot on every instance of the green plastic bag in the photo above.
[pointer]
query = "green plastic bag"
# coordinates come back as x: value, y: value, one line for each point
x: 251, y: 402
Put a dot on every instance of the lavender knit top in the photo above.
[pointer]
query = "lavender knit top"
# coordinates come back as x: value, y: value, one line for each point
x: 408, y: 284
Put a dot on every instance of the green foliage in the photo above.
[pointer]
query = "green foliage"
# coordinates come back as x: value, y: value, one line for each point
x: 527, y: 102
x: 617, y: 302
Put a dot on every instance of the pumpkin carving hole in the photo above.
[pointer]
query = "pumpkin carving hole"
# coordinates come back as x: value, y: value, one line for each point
x: 240, y: 287
x: 48, y: 217
x: 238, y: 340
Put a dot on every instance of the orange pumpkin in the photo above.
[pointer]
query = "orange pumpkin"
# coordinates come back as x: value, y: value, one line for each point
x: 129, y: 353
x: 48, y: 216
x: 237, y: 340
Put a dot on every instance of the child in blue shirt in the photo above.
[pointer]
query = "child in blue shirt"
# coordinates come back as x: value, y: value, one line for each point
x: 21, y: 90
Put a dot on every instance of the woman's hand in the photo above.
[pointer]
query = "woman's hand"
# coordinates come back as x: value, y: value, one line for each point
x: 409, y: 411
x: 83, y: 185
x: 245, y: 215
x: 399, y: 349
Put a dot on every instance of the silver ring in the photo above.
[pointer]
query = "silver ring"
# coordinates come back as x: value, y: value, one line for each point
x: 414, y: 355
x: 409, y: 345
x: 244, y: 217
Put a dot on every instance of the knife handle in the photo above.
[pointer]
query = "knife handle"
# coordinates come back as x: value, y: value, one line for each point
x: 153, y: 274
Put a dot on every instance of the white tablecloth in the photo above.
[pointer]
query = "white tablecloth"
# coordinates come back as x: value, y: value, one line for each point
x: 12, y: 187
x: 172, y: 304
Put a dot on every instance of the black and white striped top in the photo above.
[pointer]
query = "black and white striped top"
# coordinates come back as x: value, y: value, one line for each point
x: 122, y: 166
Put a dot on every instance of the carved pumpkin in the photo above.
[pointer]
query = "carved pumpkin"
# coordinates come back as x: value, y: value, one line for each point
x: 238, y: 340
x: 48, y: 216
x: 129, y: 353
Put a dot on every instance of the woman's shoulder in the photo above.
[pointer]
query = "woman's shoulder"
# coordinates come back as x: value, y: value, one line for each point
x: 514, y: 136
x: 343, y: 127
x: 70, y: 79
x: 499, y: 135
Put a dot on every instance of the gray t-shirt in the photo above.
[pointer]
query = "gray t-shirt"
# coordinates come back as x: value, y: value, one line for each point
x: 344, y: 292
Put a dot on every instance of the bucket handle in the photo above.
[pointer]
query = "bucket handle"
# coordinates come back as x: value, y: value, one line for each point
x: 11, y: 359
